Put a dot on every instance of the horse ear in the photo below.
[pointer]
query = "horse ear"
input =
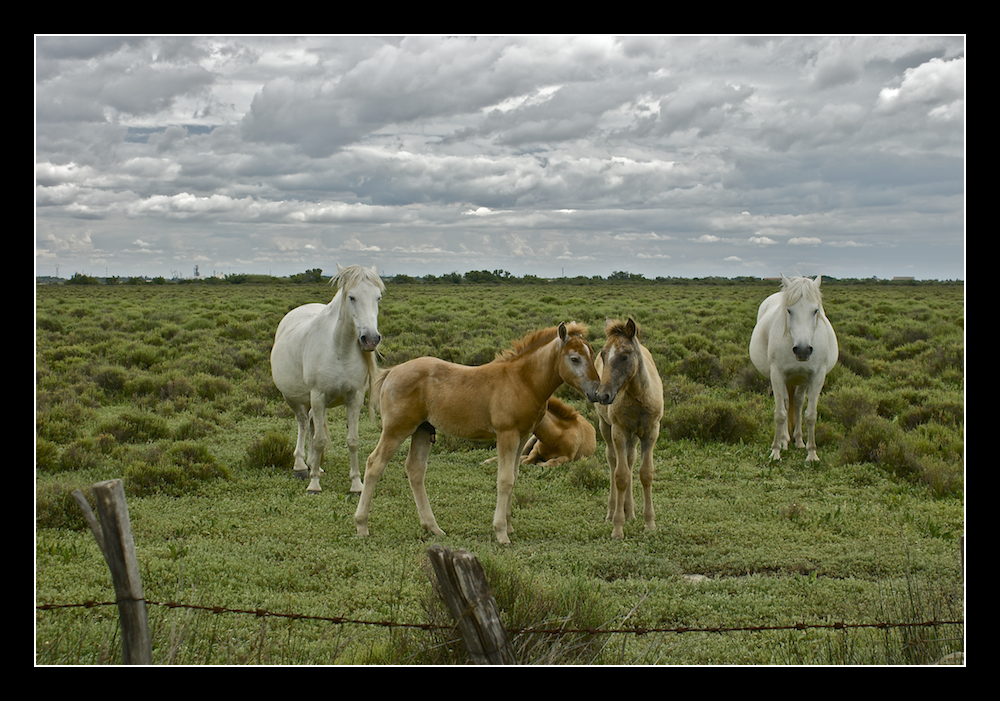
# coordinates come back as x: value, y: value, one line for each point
x: 630, y: 328
x: 340, y: 268
x: 819, y: 279
x: 374, y: 269
x: 563, y: 333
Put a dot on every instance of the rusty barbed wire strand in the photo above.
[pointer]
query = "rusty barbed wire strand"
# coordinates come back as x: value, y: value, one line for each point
x: 264, y: 613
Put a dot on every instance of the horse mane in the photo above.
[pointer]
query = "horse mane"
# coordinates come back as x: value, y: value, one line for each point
x: 352, y: 275
x: 561, y: 409
x: 614, y: 327
x: 793, y: 289
x: 537, y: 339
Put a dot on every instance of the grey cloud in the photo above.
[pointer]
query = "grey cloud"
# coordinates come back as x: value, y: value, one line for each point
x: 602, y: 153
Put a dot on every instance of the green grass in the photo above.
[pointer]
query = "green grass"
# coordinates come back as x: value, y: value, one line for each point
x: 169, y: 389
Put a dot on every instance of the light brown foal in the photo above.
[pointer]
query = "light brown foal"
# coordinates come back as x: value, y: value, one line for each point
x: 503, y: 400
x: 629, y: 409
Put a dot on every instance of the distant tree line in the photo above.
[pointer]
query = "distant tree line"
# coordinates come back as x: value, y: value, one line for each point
x: 473, y: 277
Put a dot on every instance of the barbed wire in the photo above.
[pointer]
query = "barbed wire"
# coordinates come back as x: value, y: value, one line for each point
x: 264, y: 613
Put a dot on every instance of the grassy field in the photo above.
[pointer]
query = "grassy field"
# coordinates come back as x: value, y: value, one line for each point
x: 168, y: 387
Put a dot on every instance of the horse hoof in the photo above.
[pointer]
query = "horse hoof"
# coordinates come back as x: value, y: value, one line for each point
x: 301, y: 474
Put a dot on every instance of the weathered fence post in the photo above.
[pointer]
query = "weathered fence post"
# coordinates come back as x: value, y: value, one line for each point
x: 114, y: 537
x: 467, y: 593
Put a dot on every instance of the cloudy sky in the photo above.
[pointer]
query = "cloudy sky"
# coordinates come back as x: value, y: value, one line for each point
x: 540, y: 155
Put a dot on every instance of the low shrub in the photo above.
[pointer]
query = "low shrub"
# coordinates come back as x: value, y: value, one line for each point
x: 849, y: 406
x: 702, y: 366
x: 181, y: 470
x: 55, y: 507
x: 82, y: 454
x: 709, y: 419
x: 111, y: 379
x: 879, y: 441
x: 135, y: 427
x: 590, y: 475
x: 273, y: 450
x: 47, y: 455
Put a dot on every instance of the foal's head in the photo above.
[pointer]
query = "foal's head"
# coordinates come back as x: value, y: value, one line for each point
x: 576, y: 360
x: 620, y: 357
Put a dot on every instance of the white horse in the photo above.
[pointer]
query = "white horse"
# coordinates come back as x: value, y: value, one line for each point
x: 324, y: 355
x: 794, y: 344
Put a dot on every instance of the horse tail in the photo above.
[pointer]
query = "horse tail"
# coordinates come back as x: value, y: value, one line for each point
x: 373, y: 380
x: 377, y: 379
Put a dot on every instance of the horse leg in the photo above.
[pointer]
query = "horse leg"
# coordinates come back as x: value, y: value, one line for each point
x: 302, y: 421
x: 815, y: 386
x: 646, y: 477
x: 622, y: 480
x: 631, y: 451
x: 509, y: 446
x: 610, y: 455
x: 780, y: 392
x: 796, y: 398
x: 353, y: 417
x: 319, y: 436
x: 387, y: 446
x: 416, y: 468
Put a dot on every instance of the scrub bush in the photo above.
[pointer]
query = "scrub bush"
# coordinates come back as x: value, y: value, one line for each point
x: 273, y: 450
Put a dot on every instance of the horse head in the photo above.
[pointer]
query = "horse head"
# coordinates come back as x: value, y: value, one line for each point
x: 362, y: 289
x: 576, y: 361
x: 620, y: 358
x: 804, y: 309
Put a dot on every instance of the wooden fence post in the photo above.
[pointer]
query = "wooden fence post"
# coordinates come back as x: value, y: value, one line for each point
x: 114, y: 537
x: 467, y: 593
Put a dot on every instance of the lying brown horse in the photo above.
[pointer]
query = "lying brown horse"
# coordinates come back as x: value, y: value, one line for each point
x: 563, y: 435
x: 629, y: 410
x: 503, y: 400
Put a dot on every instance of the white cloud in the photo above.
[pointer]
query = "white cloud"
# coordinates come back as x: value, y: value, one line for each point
x: 353, y: 244
x: 589, y: 151
x: 927, y: 86
x: 804, y: 241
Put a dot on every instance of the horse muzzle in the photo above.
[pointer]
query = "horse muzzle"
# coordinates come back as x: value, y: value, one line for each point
x: 802, y: 353
x: 605, y: 396
x: 369, y: 341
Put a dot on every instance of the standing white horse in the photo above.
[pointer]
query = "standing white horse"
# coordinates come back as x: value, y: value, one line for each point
x: 324, y: 355
x: 794, y: 344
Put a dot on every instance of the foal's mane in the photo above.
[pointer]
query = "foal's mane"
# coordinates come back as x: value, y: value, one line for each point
x: 537, y: 339
x: 794, y: 288
x: 561, y: 409
x: 353, y: 275
x: 616, y: 327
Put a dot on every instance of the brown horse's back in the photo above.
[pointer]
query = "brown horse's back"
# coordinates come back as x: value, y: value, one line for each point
x: 446, y: 395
